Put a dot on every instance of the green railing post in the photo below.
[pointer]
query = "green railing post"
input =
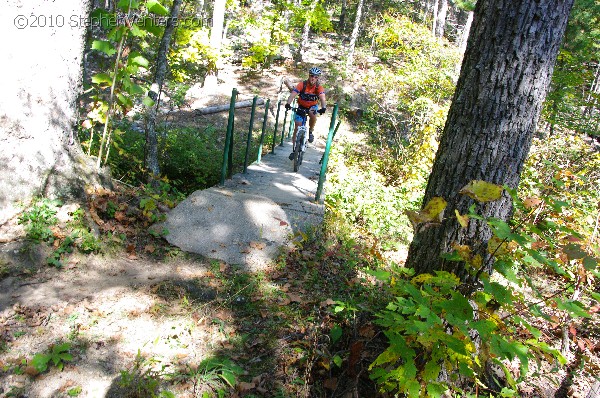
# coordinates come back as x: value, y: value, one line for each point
x: 276, y: 125
x: 326, y: 154
x: 228, y: 136
x: 249, y: 139
x: 230, y: 160
x: 283, y: 127
x: 262, y: 134
x: 292, y: 124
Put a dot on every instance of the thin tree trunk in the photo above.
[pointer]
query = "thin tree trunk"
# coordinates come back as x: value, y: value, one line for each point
x: 304, y: 42
x: 354, y: 36
x: 436, y: 5
x: 442, y: 12
x: 342, y: 16
x: 592, y: 96
x: 216, y: 37
x: 159, y: 78
x: 498, y: 99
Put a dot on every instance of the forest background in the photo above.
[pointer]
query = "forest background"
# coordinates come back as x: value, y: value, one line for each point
x: 360, y: 323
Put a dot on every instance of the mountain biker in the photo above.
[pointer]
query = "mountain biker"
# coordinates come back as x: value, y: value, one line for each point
x: 309, y: 93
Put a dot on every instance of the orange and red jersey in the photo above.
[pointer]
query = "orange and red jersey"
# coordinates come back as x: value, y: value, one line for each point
x: 310, y: 95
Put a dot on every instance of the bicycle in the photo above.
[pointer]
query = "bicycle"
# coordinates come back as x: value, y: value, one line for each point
x: 301, y: 138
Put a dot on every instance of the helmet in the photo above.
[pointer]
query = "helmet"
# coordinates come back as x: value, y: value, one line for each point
x: 315, y: 71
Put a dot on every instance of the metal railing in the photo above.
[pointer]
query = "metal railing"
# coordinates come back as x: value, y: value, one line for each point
x: 227, y: 165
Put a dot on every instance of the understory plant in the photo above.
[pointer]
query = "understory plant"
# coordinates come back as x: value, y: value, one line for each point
x: 442, y: 340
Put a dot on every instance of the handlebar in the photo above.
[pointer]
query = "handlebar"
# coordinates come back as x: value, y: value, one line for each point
x: 303, y: 111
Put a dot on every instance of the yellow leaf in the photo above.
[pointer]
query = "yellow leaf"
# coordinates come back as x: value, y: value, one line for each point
x: 463, y: 220
x: 482, y: 191
x: 422, y: 278
x: 498, y: 247
x: 464, y: 251
x: 434, y: 209
x: 431, y: 213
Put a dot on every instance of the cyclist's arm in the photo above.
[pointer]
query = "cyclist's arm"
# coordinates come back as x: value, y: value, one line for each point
x: 323, y: 100
x: 293, y: 95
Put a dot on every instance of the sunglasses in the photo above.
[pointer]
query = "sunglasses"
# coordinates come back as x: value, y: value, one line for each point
x: 313, y: 75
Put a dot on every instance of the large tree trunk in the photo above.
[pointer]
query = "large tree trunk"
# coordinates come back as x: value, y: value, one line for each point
x: 159, y: 78
x: 42, y: 80
x: 506, y: 72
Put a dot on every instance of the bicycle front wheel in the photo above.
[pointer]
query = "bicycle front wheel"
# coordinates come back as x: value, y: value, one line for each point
x: 297, y: 157
x: 298, y: 149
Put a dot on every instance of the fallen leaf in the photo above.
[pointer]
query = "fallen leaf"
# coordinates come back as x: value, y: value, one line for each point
x: 366, y: 331
x: 150, y: 248
x: 243, y: 386
x: 120, y: 216
x: 295, y: 298
x: 327, y: 302
x: 531, y: 203
x: 257, y: 245
x: 284, y: 301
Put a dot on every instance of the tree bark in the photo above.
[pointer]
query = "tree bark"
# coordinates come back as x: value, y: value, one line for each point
x: 38, y: 106
x: 159, y: 78
x: 354, y: 36
x: 506, y: 72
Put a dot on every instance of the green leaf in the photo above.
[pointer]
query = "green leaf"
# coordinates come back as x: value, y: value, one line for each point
x: 574, y: 252
x: 125, y: 101
x: 156, y: 8
x: 149, y: 25
x: 100, y: 78
x: 379, y: 274
x: 61, y: 348
x: 136, y: 58
x: 484, y: 327
x: 125, y: 5
x: 337, y: 360
x: 590, y: 263
x: 105, y: 18
x: 436, y: 390
x: 40, y: 362
x: 535, y: 332
x: 458, y: 309
x: 413, y: 388
x: 136, y: 31
x: 507, y: 270
x: 104, y: 46
x: 336, y: 334
x: 149, y: 102
x: 228, y: 377
x: 499, y: 292
x: 431, y: 371
x: 574, y: 307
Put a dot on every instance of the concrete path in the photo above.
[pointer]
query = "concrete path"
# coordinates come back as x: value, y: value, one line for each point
x: 253, y: 215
